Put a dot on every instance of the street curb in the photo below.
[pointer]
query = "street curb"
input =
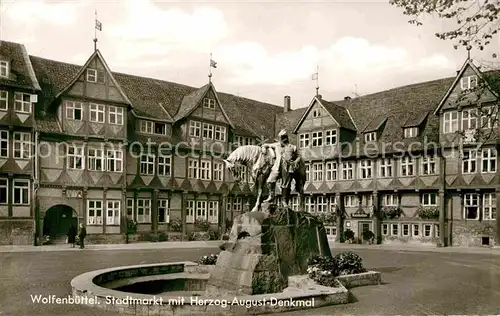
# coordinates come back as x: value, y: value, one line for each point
x: 98, y: 247
x: 465, y: 250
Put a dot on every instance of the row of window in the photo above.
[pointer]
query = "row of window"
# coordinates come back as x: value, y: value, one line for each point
x: 140, y: 210
x: 74, y: 111
x: 243, y: 141
x: 20, y: 193
x: 318, y: 139
x: 22, y: 101
x: 321, y: 203
x: 332, y: 170
x: 398, y: 229
x: 162, y: 163
x: 207, y: 131
x: 477, y: 206
x: 410, y: 230
x: 96, y: 209
x: 97, y: 159
x: 205, y: 169
x: 150, y: 127
x: 470, y: 119
x: 21, y: 144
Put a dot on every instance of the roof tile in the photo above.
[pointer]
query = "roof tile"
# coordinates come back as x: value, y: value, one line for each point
x: 155, y: 98
x: 21, y: 72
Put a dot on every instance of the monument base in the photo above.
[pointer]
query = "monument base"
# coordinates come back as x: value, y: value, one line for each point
x: 264, y: 249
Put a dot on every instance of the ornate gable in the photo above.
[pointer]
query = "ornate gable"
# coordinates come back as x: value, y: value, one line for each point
x: 322, y: 113
x: 467, y: 79
x: 95, y: 80
x: 203, y: 103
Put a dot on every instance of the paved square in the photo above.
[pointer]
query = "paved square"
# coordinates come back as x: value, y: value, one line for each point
x: 418, y: 283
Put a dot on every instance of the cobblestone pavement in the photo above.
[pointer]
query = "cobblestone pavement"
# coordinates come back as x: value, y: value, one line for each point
x: 416, y: 283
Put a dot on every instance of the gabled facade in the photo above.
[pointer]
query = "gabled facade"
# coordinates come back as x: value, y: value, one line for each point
x: 114, y: 148
x: 403, y: 157
x: 172, y: 141
x: 82, y: 176
x: 18, y: 96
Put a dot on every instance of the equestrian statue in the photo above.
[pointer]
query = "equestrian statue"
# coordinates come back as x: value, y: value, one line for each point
x: 268, y: 164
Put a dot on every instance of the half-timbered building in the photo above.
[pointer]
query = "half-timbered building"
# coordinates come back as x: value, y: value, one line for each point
x: 19, y: 90
x: 138, y: 149
x: 84, y: 144
x: 405, y: 151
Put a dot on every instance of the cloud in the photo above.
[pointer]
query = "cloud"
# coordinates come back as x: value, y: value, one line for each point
x: 437, y: 61
x: 342, y: 65
x: 38, y: 11
x: 147, y: 30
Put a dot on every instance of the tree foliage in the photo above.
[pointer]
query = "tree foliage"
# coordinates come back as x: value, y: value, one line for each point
x: 477, y: 21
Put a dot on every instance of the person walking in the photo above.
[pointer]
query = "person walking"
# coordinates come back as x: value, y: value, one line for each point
x: 72, y: 236
x: 81, y: 235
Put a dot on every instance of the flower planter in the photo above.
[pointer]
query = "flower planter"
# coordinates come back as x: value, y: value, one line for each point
x: 201, y: 236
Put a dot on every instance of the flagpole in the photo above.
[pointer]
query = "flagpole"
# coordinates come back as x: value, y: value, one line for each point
x: 317, y: 80
x: 210, y: 68
x: 95, y: 31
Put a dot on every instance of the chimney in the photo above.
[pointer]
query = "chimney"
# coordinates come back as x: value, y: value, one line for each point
x: 319, y: 96
x: 287, y: 104
x: 458, y: 71
x: 347, y: 98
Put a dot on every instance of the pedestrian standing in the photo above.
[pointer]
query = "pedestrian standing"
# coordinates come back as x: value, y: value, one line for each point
x: 72, y: 236
x: 81, y: 235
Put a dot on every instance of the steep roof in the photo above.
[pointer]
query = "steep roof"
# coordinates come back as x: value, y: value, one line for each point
x: 394, y: 107
x: 154, y: 98
x: 190, y: 101
x: 288, y: 120
x: 96, y: 54
x: 338, y: 113
x: 21, y: 72
x: 375, y: 124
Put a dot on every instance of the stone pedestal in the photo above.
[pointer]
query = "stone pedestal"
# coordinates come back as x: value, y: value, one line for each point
x: 264, y: 249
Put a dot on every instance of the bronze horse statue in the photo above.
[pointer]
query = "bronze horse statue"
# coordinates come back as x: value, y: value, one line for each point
x: 259, y: 162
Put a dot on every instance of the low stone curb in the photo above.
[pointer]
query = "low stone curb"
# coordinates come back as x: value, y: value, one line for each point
x: 96, y: 288
x: 495, y: 250
x: 137, y: 246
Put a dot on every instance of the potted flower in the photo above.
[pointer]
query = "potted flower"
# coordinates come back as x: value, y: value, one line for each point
x: 349, y: 235
x: 327, y: 217
x: 368, y: 236
x: 391, y: 212
x: 428, y: 212
x: 203, y: 227
x: 208, y: 260
x: 176, y: 225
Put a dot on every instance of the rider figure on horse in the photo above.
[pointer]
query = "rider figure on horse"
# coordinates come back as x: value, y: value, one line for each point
x: 286, y: 163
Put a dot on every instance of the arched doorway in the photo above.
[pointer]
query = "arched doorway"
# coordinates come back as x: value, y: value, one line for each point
x: 58, y: 220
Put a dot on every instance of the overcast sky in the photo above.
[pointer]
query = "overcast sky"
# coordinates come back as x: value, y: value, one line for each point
x: 264, y: 49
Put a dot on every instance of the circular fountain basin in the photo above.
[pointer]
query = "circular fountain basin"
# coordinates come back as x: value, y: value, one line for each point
x: 178, y: 288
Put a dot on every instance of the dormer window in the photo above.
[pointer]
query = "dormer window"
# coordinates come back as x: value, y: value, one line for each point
x: 316, y: 113
x: 242, y: 141
x: 370, y: 137
x: 146, y: 127
x: 4, y: 69
x: 209, y: 103
x: 469, y: 82
x: 161, y: 128
x: 91, y: 75
x: 410, y: 132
